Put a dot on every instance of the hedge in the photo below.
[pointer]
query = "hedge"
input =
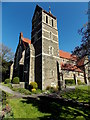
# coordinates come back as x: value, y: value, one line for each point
x: 7, y: 81
x: 33, y: 85
x: 80, y: 83
x: 69, y: 81
x: 52, y: 89
x: 22, y: 90
x: 15, y: 80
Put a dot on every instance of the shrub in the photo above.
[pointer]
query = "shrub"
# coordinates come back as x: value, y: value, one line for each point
x: 48, y: 87
x: 15, y: 80
x: 22, y: 90
x: 38, y: 91
x: 33, y: 90
x: 80, y: 83
x: 52, y: 89
x: 69, y: 81
x: 33, y: 85
x: 7, y: 81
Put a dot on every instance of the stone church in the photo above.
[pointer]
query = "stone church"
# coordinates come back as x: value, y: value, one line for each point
x: 40, y: 59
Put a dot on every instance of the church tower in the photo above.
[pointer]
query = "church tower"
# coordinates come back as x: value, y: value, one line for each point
x: 44, y: 38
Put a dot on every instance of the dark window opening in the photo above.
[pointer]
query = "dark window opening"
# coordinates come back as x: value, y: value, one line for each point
x: 52, y: 22
x: 50, y: 35
x: 46, y: 19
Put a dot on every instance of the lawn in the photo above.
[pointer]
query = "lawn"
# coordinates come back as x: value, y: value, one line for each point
x: 22, y: 109
x: 81, y: 94
x: 38, y: 110
x: 44, y: 110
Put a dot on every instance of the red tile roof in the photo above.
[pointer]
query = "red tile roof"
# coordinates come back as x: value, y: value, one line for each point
x: 26, y: 40
x: 67, y: 55
x: 70, y: 67
x: 81, y: 62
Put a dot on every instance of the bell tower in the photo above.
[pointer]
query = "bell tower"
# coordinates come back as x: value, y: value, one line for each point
x: 44, y: 38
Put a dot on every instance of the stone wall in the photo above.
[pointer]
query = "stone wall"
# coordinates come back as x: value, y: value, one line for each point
x: 32, y: 64
x: 11, y: 71
x: 50, y: 52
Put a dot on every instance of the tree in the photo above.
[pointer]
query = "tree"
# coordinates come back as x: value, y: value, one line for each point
x: 84, y: 49
x: 6, y: 58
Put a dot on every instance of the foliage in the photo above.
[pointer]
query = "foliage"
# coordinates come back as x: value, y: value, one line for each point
x: 33, y: 85
x: 45, y: 110
x: 80, y: 83
x: 6, y: 109
x: 84, y: 48
x: 60, y: 112
x: 39, y: 91
x: 33, y: 90
x: 27, y: 109
x: 52, y: 89
x: 4, y: 96
x: 7, y: 81
x: 69, y: 81
x: 6, y: 57
x: 22, y: 90
x: 15, y: 80
x: 8, y: 85
x: 80, y: 94
x: 5, y: 53
x: 48, y: 87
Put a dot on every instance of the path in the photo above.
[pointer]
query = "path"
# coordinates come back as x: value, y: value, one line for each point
x: 17, y: 94
x: 8, y: 90
x: 52, y: 97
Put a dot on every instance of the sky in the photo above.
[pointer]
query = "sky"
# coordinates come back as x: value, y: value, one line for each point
x: 17, y: 17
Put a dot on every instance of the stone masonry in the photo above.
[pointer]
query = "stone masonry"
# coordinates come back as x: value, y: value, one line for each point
x: 40, y: 59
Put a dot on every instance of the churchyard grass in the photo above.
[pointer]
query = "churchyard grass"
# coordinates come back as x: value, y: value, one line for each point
x: 81, y: 93
x: 22, y: 109
x: 28, y: 108
x: 41, y: 110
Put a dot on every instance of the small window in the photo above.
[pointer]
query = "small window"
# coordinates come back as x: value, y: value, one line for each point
x: 50, y: 35
x: 51, y: 73
x: 36, y: 36
x: 51, y: 50
x: 52, y: 22
x: 78, y: 73
x: 46, y: 19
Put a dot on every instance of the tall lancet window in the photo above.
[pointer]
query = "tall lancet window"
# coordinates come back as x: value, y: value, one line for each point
x: 52, y: 22
x: 46, y: 19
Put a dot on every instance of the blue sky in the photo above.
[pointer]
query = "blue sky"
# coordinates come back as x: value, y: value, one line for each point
x: 16, y: 18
